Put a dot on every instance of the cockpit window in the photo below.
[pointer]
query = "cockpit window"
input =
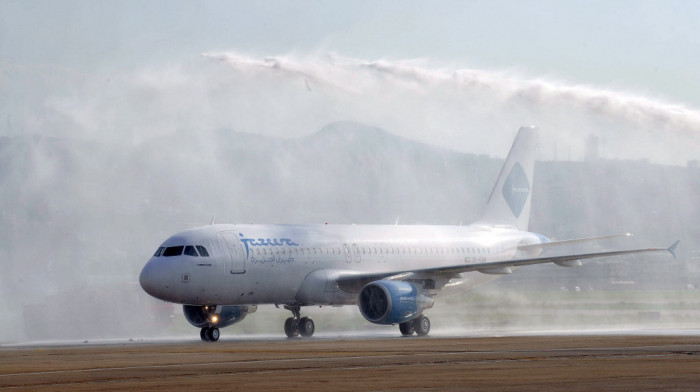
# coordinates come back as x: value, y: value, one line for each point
x: 173, y: 251
x: 190, y: 251
x: 202, y: 251
x: 159, y: 252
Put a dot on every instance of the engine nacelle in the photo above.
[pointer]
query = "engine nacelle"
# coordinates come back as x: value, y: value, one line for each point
x: 392, y: 302
x: 216, y: 316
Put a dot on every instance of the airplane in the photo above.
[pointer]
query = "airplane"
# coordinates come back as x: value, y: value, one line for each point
x: 220, y: 273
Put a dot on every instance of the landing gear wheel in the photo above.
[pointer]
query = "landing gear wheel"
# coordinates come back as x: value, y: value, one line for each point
x: 306, y: 327
x: 291, y: 327
x: 421, y: 325
x: 213, y: 334
x: 407, y: 328
x: 204, y: 334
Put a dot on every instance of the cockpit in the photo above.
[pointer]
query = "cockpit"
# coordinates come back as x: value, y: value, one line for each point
x: 187, y: 250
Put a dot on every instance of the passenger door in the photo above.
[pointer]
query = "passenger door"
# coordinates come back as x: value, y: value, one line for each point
x: 236, y: 262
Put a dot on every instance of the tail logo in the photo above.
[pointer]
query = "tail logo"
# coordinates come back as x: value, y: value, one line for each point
x: 516, y: 189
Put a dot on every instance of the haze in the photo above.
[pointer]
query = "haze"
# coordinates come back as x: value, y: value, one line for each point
x: 124, y: 123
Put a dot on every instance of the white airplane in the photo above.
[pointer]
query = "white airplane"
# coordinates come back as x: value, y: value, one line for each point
x: 220, y: 273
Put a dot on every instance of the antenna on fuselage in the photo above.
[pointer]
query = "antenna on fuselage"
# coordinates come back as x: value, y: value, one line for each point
x: 213, y: 220
x: 397, y: 221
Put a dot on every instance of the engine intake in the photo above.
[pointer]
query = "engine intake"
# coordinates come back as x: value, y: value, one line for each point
x: 392, y: 302
x: 219, y: 316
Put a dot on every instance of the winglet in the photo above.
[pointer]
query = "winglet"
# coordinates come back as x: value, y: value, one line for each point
x: 672, y: 249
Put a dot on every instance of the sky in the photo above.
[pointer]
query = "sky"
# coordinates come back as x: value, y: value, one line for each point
x: 651, y: 47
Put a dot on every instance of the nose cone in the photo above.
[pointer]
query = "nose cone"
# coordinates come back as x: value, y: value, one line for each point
x: 149, y: 278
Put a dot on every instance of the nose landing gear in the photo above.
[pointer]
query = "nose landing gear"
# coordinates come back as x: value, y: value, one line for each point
x: 297, y: 325
x: 209, y: 334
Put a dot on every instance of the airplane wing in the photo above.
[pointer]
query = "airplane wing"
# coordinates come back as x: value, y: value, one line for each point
x: 354, y: 282
x: 554, y: 244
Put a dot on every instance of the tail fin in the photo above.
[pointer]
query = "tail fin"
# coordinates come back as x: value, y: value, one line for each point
x: 509, y: 203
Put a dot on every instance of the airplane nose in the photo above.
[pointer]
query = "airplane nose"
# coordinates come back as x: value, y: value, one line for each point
x: 147, y: 279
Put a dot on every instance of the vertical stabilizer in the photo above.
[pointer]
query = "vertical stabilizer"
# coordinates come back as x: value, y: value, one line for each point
x: 509, y: 203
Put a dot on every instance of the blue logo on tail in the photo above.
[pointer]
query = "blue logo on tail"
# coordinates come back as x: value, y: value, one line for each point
x: 516, y: 189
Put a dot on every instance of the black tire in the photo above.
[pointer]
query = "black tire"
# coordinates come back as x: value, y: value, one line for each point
x: 204, y: 334
x: 291, y: 327
x: 422, y: 325
x: 407, y: 328
x: 306, y: 327
x: 213, y: 334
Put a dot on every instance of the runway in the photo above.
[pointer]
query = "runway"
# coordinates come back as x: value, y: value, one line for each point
x: 573, y: 363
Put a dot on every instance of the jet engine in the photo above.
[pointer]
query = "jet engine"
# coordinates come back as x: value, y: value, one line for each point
x: 218, y: 316
x: 392, y: 302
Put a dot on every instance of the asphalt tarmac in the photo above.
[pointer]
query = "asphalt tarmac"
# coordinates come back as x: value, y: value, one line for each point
x: 539, y: 363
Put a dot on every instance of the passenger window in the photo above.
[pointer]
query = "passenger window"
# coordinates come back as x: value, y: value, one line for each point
x: 190, y: 251
x: 202, y: 251
x: 159, y: 252
x: 173, y: 251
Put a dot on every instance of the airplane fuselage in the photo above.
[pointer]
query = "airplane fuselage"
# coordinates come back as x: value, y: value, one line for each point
x: 286, y: 264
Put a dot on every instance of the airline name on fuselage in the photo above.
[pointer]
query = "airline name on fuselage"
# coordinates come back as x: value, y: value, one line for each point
x: 268, y: 242
x: 265, y: 242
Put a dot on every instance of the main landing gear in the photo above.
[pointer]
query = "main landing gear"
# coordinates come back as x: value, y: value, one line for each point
x: 420, y: 325
x: 297, y: 325
x: 209, y: 334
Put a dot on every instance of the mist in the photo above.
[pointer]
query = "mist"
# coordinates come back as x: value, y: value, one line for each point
x: 99, y: 168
